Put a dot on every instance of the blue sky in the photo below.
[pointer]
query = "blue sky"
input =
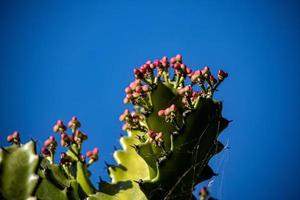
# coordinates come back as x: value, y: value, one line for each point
x: 59, y: 59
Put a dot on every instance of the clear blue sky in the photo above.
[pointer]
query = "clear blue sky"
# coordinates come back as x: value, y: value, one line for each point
x: 59, y: 59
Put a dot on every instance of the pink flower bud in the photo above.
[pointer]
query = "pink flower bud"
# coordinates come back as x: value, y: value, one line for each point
x: 183, y: 67
x: 172, y: 108
x: 136, y: 94
x: 55, y: 128
x: 89, y: 154
x: 47, y: 143
x: 124, y: 115
x: 157, y: 63
x: 138, y: 88
x: 181, y: 91
x: 167, y: 111
x: 59, y: 127
x: 178, y: 58
x: 188, y: 89
x: 206, y: 72
x: 128, y: 90
x: 164, y: 59
x: 173, y: 60
x: 126, y: 127
x: 95, y: 151
x: 188, y: 70
x: 126, y: 100
x: 161, y: 113
x: 14, y: 137
x: 146, y: 88
x: 176, y: 66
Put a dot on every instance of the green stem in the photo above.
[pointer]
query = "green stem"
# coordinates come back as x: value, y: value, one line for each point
x: 83, y: 180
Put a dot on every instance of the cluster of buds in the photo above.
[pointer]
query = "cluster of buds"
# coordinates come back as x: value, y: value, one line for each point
x: 49, y: 147
x: 181, y: 70
x: 156, y: 137
x: 59, y: 127
x: 169, y: 113
x: 187, y: 95
x: 65, y: 159
x: 66, y: 140
x: 138, y: 94
x: 79, y: 137
x: 93, y: 155
x: 200, y: 76
x: 162, y: 67
x: 74, y: 124
x: 132, y: 121
x: 14, y: 138
x: 222, y: 75
x: 145, y: 72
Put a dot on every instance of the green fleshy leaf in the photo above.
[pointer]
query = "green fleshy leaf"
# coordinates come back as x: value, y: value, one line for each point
x: 48, y: 191
x: 17, y: 173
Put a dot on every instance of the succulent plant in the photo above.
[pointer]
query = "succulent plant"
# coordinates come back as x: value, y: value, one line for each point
x: 171, y: 135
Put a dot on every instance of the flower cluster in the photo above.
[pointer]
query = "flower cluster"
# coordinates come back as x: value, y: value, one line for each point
x: 73, y: 142
x: 93, y: 155
x: 65, y: 159
x: 155, y: 137
x: 14, y: 138
x: 137, y: 94
x: 150, y: 73
x: 59, y: 127
x: 169, y: 113
x: 132, y: 121
x: 187, y: 96
x: 74, y: 124
x: 49, y: 147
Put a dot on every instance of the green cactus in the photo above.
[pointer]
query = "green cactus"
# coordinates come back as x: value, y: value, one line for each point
x: 171, y: 136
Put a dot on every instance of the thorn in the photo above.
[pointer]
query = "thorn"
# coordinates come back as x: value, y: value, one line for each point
x: 107, y: 165
x: 229, y: 121
x: 136, y: 147
x: 140, y: 181
x: 33, y: 140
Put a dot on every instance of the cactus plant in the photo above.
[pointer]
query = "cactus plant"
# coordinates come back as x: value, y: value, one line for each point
x: 171, y: 136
